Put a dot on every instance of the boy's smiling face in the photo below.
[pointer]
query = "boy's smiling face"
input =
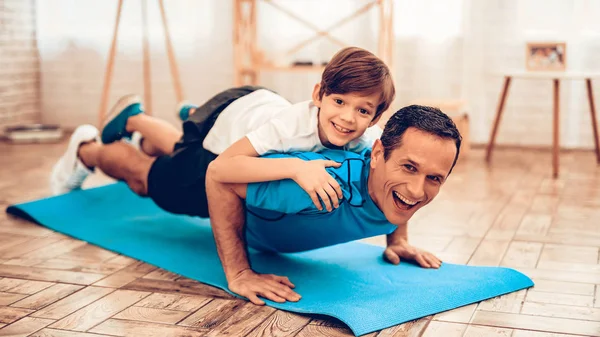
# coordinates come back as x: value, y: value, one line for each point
x: 344, y: 117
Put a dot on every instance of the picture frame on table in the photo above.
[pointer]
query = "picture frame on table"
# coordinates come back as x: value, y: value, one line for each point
x: 546, y: 56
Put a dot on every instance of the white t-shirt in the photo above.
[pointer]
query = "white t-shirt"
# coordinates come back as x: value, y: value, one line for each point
x: 272, y: 124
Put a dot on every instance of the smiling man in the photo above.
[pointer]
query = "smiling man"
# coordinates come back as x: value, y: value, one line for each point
x: 382, y: 189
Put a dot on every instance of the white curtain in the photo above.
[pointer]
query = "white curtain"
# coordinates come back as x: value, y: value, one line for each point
x: 74, y: 38
x: 444, y: 49
x: 453, y: 50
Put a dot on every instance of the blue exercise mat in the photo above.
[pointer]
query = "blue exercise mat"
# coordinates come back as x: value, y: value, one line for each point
x: 350, y: 281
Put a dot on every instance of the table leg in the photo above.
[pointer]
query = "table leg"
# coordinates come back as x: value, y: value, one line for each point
x: 146, y: 62
x: 555, y: 129
x: 590, y: 93
x: 171, y: 54
x: 109, y: 68
x: 499, y: 110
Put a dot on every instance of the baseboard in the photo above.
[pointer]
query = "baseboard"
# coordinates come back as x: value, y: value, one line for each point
x: 540, y: 148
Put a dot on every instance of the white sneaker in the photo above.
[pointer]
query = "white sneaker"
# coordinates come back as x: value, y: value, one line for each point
x: 69, y: 172
x: 135, y: 140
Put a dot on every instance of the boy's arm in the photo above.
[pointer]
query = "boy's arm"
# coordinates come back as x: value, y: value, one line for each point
x: 240, y: 164
x: 398, y: 247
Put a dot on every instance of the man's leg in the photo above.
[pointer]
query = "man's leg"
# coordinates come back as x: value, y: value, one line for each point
x: 119, y: 161
x: 69, y: 172
x: 85, y: 152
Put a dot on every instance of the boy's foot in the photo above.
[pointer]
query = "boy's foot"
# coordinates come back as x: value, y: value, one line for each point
x: 184, y: 110
x: 69, y: 172
x: 115, y: 124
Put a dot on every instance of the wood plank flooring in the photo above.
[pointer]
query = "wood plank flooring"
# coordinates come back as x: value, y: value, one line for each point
x: 510, y: 213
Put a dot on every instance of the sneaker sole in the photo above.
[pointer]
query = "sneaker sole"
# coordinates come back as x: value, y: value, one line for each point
x: 121, y: 104
x: 83, y: 134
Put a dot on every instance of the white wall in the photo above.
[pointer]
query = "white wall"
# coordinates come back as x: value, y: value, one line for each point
x: 444, y: 49
x: 19, y: 64
x: 75, y: 38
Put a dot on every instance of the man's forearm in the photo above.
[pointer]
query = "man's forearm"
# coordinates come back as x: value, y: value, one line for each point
x: 227, y: 216
x: 400, y: 235
x: 231, y: 247
x: 228, y: 219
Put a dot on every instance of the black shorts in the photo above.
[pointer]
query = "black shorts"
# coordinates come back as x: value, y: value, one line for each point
x: 176, y: 182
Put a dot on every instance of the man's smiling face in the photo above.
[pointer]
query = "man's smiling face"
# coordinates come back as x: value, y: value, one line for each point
x: 412, y: 174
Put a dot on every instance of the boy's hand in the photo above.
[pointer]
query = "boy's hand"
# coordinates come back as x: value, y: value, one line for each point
x: 395, y: 252
x: 314, y: 179
x: 249, y: 284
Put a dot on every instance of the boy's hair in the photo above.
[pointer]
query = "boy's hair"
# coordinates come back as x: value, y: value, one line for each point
x: 425, y: 118
x: 355, y: 70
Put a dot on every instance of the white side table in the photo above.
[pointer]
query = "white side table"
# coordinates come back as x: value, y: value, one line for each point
x: 556, y: 77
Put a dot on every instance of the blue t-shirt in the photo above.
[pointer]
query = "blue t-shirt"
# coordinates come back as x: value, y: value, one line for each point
x: 281, y: 217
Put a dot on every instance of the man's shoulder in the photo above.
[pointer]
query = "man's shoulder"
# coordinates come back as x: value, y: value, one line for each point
x: 351, y: 175
x: 339, y: 156
x: 352, y: 166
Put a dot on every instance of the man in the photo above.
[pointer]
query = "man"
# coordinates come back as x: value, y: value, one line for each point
x: 381, y: 189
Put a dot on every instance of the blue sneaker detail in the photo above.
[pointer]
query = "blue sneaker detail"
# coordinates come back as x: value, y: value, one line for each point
x: 183, y: 110
x: 114, y: 126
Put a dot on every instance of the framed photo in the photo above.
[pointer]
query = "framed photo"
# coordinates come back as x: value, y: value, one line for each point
x: 546, y: 56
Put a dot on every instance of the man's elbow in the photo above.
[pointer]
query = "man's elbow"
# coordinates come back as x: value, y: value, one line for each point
x: 215, y: 184
x: 214, y: 187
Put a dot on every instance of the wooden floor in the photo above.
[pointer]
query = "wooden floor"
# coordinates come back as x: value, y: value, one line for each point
x: 509, y: 214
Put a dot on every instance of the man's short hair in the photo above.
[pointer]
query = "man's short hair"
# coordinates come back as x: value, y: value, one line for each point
x: 425, y: 118
x: 355, y: 70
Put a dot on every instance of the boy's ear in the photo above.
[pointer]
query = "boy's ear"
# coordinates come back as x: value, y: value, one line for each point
x: 315, y: 95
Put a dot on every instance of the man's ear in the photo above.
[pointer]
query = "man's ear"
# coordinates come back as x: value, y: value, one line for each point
x: 377, y: 154
x: 315, y: 95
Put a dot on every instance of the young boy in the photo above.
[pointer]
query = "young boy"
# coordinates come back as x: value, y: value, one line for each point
x: 231, y: 130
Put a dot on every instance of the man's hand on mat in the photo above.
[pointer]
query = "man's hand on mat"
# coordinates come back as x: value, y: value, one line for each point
x: 396, y: 252
x: 249, y: 284
x: 314, y: 179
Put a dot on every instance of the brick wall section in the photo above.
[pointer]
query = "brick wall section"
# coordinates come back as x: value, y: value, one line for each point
x: 19, y: 63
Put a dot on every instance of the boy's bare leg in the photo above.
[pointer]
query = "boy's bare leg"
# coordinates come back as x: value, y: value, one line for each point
x: 159, y: 137
x: 120, y: 161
